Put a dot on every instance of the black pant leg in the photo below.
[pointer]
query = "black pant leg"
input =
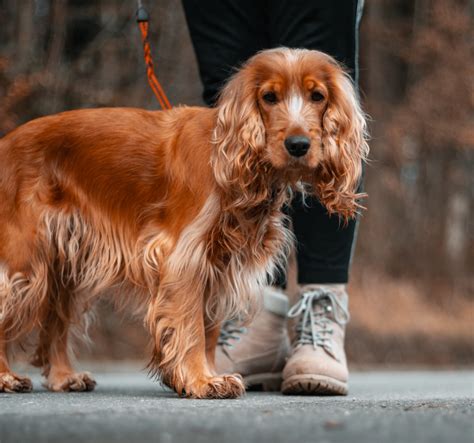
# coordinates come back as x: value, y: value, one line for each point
x: 324, y: 246
x: 225, y: 33
x: 325, y: 25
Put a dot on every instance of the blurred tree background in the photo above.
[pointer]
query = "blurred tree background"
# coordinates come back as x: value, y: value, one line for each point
x: 412, y: 288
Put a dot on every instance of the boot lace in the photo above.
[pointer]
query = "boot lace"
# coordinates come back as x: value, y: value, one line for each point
x: 317, y: 310
x: 230, y: 330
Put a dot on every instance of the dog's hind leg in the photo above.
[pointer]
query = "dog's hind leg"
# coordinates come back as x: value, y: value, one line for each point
x: 52, y: 353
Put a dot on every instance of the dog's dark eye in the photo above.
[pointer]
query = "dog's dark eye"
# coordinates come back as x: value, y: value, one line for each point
x: 270, y: 97
x: 317, y: 96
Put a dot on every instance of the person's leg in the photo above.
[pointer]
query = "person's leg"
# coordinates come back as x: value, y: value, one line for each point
x: 324, y: 245
x: 225, y: 33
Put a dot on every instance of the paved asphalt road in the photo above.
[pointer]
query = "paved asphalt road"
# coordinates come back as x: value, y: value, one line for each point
x: 127, y: 407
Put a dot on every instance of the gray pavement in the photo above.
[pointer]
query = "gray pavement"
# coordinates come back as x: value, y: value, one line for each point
x: 128, y: 407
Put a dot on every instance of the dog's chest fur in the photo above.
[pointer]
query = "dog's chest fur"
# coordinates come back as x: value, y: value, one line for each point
x: 244, y: 249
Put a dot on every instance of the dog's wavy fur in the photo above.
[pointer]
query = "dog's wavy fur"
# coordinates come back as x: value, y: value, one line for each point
x: 181, y: 211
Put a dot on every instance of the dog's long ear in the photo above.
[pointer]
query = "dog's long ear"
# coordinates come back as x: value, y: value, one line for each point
x: 344, y: 147
x: 239, y: 139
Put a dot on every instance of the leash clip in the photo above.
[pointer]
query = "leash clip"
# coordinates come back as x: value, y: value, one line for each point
x: 142, y: 13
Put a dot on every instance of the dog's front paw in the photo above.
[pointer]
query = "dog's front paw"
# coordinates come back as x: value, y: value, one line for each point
x: 223, y: 386
x: 10, y: 382
x: 71, y: 382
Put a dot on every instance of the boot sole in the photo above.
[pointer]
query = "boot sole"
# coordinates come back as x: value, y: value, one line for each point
x: 266, y: 381
x: 310, y: 384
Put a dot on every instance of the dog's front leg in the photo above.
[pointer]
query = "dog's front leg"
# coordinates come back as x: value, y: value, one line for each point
x: 176, y: 319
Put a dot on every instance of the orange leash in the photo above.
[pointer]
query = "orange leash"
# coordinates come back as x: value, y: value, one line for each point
x: 143, y: 21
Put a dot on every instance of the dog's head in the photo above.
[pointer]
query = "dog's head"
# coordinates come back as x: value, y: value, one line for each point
x: 292, y: 113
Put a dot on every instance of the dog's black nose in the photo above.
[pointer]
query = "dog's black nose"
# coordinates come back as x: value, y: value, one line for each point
x: 297, y: 145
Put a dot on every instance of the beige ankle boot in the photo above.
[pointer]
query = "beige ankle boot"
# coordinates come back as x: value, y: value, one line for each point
x: 259, y: 351
x: 317, y: 364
